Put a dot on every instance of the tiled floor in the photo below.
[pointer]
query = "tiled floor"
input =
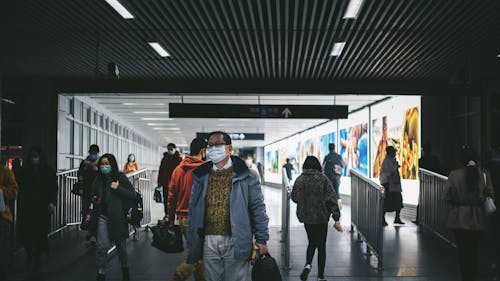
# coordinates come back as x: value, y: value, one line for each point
x: 409, y: 256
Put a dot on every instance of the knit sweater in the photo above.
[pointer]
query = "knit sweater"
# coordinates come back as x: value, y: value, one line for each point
x: 217, y: 221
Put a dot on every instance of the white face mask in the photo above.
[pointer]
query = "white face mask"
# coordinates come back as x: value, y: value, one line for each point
x: 217, y: 153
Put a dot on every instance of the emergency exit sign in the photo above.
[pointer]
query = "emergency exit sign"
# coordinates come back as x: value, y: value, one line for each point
x: 195, y: 110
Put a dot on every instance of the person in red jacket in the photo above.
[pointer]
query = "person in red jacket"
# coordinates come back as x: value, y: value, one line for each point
x: 171, y: 159
x: 179, y: 193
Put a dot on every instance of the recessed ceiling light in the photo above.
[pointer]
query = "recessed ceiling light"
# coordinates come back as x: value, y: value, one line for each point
x: 162, y: 124
x: 498, y: 56
x: 156, y: 119
x: 164, y: 129
x: 353, y: 9
x: 150, y: 112
x: 159, y: 49
x: 120, y: 9
x: 337, y: 49
x: 129, y: 103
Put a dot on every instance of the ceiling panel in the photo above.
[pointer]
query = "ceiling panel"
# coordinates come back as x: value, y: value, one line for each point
x: 257, y: 40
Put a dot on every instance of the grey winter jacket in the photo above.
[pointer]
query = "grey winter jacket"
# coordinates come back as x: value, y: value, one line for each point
x: 247, y: 211
x: 315, y: 197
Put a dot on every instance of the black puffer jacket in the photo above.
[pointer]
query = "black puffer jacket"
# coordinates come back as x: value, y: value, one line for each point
x: 315, y: 197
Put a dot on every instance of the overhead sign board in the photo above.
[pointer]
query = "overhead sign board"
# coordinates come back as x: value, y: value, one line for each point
x: 236, y: 136
x: 194, y: 110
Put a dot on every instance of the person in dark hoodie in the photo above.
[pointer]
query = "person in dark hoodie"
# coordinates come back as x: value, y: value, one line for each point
x: 36, y: 203
x: 179, y: 191
x: 171, y: 159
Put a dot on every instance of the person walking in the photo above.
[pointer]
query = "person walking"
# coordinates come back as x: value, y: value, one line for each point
x: 226, y: 212
x: 316, y: 202
x: 333, y: 166
x: 466, y: 191
x: 112, y: 195
x: 288, y: 168
x: 87, y: 173
x: 391, y: 181
x: 171, y: 159
x: 178, y: 203
x: 36, y: 203
x: 131, y: 165
x: 8, y: 192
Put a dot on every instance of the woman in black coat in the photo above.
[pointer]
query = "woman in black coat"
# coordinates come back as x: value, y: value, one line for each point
x: 113, y: 195
x: 37, y: 200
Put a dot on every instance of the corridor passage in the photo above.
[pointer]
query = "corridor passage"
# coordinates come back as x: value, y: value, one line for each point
x: 408, y: 254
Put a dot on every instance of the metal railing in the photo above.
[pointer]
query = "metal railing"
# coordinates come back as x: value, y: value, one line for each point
x: 433, y: 209
x: 68, y: 211
x: 286, y: 190
x: 367, y: 210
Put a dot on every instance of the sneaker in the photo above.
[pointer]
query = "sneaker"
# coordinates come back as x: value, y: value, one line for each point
x: 305, y: 272
x: 398, y: 221
x: 321, y: 279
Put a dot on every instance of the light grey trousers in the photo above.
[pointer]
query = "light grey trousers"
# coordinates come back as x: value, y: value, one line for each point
x: 104, y: 244
x: 220, y: 264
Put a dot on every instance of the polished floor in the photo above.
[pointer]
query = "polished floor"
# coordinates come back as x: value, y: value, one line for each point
x: 409, y: 255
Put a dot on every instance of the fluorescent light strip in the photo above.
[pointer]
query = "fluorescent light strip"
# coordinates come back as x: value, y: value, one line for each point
x: 156, y: 119
x: 149, y: 104
x: 353, y: 9
x: 337, y: 49
x: 120, y: 9
x: 162, y: 129
x: 162, y: 124
x: 150, y: 112
x: 159, y: 49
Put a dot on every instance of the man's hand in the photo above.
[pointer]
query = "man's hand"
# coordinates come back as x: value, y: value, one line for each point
x: 262, y: 248
x: 115, y: 184
x: 51, y: 208
x: 338, y: 227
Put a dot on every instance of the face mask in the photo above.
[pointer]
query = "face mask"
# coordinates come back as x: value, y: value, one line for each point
x: 217, y: 153
x: 35, y: 160
x: 170, y: 152
x: 131, y: 159
x: 93, y: 157
x: 249, y: 162
x: 105, y: 169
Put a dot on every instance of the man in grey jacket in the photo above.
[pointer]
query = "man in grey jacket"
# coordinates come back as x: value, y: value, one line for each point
x: 227, y: 212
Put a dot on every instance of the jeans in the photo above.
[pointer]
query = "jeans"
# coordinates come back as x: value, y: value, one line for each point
x: 104, y: 244
x: 220, y: 264
x: 335, y: 180
x: 316, y: 234
x: 467, y: 246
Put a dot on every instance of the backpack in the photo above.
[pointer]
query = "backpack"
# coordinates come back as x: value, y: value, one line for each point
x: 135, y: 212
x: 265, y: 268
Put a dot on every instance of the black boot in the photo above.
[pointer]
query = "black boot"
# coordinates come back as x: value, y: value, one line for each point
x: 101, y: 277
x: 305, y: 272
x: 125, y: 274
x: 398, y: 219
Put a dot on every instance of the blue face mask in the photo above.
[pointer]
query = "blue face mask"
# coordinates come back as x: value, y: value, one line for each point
x: 217, y: 153
x: 131, y: 159
x: 93, y: 157
x: 105, y: 169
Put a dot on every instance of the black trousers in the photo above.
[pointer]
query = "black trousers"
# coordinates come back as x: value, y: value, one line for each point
x: 165, y: 199
x: 5, y: 246
x: 467, y: 246
x: 316, y: 234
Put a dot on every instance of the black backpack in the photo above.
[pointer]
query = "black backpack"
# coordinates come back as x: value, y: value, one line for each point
x: 265, y: 268
x: 135, y: 212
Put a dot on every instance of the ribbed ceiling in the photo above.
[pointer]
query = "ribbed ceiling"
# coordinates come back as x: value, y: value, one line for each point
x: 257, y: 39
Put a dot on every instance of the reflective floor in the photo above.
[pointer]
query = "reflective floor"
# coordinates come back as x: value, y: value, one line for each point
x: 408, y: 254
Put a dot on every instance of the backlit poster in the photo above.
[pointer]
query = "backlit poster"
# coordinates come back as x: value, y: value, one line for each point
x: 354, y: 148
x: 324, y: 142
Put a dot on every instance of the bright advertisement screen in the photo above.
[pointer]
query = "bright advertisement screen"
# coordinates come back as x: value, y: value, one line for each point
x: 396, y: 123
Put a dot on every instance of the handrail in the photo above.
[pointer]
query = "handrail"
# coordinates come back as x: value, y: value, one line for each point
x: 367, y: 210
x: 433, y: 208
x: 60, y: 173
x: 285, y: 218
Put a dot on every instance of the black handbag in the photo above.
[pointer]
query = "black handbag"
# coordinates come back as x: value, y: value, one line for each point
x: 167, y: 238
x: 158, y: 197
x: 90, y: 221
x: 265, y: 268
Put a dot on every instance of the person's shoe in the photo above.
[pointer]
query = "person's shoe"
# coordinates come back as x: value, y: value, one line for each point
x: 321, y: 279
x: 101, y: 277
x: 398, y: 221
x: 305, y: 272
x: 125, y: 274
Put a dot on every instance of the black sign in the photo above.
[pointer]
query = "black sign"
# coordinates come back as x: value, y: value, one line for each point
x: 236, y: 136
x: 183, y: 110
